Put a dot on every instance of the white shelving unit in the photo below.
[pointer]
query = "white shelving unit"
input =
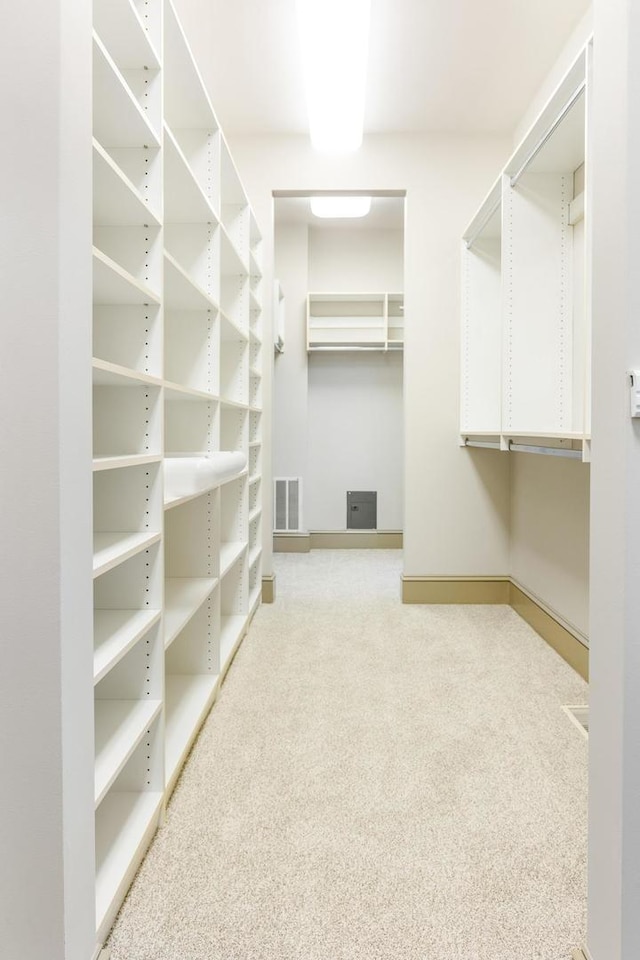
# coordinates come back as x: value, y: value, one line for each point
x: 525, y: 299
x: 355, y: 321
x: 177, y: 336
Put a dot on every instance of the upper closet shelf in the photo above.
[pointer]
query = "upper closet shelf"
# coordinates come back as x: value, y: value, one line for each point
x: 116, y: 201
x: 186, y: 102
x: 118, y: 119
x: 119, y: 26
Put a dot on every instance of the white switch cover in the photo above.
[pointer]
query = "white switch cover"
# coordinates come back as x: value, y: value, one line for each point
x: 634, y: 392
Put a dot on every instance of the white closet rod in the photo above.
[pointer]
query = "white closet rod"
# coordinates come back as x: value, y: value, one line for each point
x: 548, y: 451
x: 556, y: 123
x: 484, y: 444
x: 469, y: 241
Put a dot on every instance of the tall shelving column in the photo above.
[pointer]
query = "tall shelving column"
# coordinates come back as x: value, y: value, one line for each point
x: 191, y: 393
x: 128, y: 446
x: 255, y: 414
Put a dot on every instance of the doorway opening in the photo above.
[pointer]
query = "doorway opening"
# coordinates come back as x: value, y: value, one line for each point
x: 338, y: 417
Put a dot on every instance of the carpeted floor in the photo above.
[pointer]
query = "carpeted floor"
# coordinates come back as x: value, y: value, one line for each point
x: 375, y: 782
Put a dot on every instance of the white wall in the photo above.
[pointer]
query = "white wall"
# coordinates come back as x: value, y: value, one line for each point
x: 355, y: 437
x: 550, y: 534
x: 46, y: 673
x: 358, y: 260
x: 290, y: 382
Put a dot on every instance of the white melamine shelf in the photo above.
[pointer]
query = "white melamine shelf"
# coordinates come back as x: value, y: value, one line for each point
x: 254, y: 409
x: 122, y: 31
x: 116, y: 201
x: 183, y: 598
x: 254, y: 556
x: 255, y: 479
x: 119, y: 463
x: 231, y: 261
x: 229, y: 330
x: 232, y: 404
x: 255, y: 513
x: 188, y: 699
x: 111, y: 549
x: 255, y: 303
x: 115, y: 632
x: 254, y: 267
x: 184, y: 200
x: 230, y: 553
x: 124, y: 824
x: 180, y: 291
x: 176, y: 392
x: 118, y: 119
x: 119, y: 727
x: 114, y: 285
x: 255, y: 443
x: 107, y: 374
x: 255, y: 373
x: 231, y: 630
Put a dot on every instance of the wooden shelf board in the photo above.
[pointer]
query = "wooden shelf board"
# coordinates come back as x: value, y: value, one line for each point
x: 120, y: 725
x: 188, y: 699
x: 112, y: 548
x: 116, y: 632
x: 230, y: 553
x: 114, y: 285
x: 124, y: 825
x: 183, y: 598
x: 116, y: 201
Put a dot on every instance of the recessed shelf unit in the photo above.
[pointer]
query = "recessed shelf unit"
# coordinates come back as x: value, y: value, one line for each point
x: 177, y: 369
x: 355, y: 321
x: 525, y: 291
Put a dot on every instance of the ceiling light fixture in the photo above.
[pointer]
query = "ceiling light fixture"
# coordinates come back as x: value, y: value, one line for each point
x: 333, y: 208
x: 334, y: 37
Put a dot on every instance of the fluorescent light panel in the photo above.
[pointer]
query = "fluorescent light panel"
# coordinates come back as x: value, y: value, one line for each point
x: 340, y: 207
x: 334, y: 36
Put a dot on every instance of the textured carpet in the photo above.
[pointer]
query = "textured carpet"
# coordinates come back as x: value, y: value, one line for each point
x: 375, y: 782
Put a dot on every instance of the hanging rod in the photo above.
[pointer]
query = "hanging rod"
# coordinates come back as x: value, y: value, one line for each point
x: 548, y: 451
x: 469, y: 241
x: 556, y: 123
x: 484, y: 444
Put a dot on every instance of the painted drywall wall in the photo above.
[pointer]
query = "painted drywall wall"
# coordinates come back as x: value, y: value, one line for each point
x: 356, y: 260
x: 290, y: 382
x: 46, y: 679
x: 550, y: 534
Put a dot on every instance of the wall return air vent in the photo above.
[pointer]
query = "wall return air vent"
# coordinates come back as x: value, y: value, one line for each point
x: 287, y: 504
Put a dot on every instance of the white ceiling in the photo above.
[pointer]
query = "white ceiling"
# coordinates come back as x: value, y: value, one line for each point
x: 459, y: 66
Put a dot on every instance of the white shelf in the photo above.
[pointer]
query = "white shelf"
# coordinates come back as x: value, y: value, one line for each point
x: 230, y: 553
x: 110, y: 549
x: 231, y: 630
x: 120, y: 28
x: 254, y: 556
x: 255, y: 513
x: 115, y: 633
x: 124, y: 826
x: 116, y: 201
x: 183, y: 598
x: 107, y: 374
x: 112, y: 284
x: 119, y: 463
x: 184, y: 200
x: 181, y: 292
x: 230, y: 330
x: 255, y: 478
x: 176, y: 392
x: 119, y: 727
x: 118, y: 119
x: 188, y: 699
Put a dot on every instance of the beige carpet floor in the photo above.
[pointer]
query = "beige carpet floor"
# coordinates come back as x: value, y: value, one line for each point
x: 375, y: 782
